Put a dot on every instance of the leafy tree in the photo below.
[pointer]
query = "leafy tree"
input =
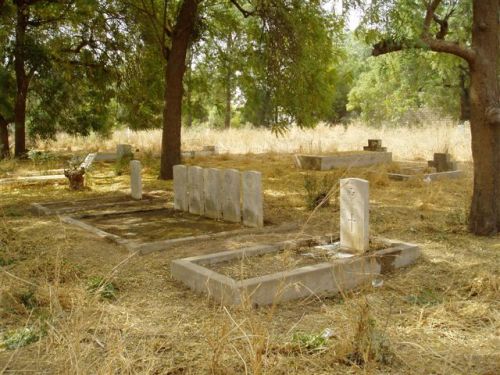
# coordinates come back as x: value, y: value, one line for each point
x: 446, y: 26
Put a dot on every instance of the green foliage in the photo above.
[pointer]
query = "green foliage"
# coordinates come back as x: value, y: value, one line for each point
x: 19, y: 338
x: 106, y: 289
x: 317, y: 189
x: 309, y: 341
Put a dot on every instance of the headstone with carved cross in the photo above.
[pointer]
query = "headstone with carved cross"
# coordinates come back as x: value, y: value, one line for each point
x: 354, y: 214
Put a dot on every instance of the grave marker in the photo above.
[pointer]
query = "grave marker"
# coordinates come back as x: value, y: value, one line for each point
x: 354, y: 214
x: 135, y: 179
x: 375, y: 145
x: 195, y: 190
x: 213, y: 193
x: 253, y: 212
x: 123, y: 150
x: 180, y: 188
x: 442, y: 162
x: 231, y: 196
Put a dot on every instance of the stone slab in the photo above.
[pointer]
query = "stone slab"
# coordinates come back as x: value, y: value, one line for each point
x: 180, y: 188
x: 427, y: 176
x: 135, y: 179
x: 213, y: 180
x: 253, y: 207
x: 324, y: 163
x: 31, y: 179
x: 354, y: 214
x: 320, y: 279
x: 105, y: 156
x: 231, y: 210
x: 195, y: 190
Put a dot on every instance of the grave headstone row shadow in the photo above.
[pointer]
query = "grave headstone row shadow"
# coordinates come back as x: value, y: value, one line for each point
x: 221, y: 194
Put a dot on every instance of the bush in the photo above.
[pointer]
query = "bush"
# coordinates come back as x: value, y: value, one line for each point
x: 317, y: 189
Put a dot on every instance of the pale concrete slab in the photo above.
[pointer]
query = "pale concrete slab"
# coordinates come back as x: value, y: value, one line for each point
x: 354, y: 214
x: 213, y: 181
x: 360, y: 159
x: 231, y: 210
x: 135, y: 179
x: 195, y: 190
x: 30, y: 179
x: 180, y: 188
x: 89, y: 160
x: 253, y: 207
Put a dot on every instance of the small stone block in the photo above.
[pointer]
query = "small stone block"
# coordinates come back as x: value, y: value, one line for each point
x: 213, y: 193
x: 180, y: 188
x: 354, y: 214
x: 253, y: 210
x: 231, y: 210
x: 195, y: 190
x: 135, y: 179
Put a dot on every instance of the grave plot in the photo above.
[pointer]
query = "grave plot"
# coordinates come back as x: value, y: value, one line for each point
x: 372, y: 155
x: 112, y: 204
x: 148, y: 230
x: 302, y: 268
x: 206, y: 151
x: 442, y: 167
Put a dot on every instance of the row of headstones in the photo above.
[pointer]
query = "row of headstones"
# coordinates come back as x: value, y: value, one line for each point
x: 223, y: 194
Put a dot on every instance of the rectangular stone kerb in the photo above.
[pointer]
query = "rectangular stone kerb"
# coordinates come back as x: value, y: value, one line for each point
x: 354, y: 214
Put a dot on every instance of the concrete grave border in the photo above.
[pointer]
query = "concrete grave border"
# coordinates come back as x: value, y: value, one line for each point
x: 148, y: 247
x: 426, y: 176
x: 322, y: 278
x: 44, y: 209
x: 359, y: 159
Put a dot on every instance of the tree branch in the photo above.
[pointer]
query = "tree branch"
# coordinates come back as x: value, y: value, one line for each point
x: 242, y: 10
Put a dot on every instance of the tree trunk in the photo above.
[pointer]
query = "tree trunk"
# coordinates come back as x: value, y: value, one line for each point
x: 464, y: 98
x: 484, y: 216
x: 4, y: 138
x: 21, y: 80
x: 229, y: 91
x: 174, y: 73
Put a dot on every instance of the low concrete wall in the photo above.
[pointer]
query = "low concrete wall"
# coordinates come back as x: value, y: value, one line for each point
x: 324, y: 163
x: 426, y: 176
x: 322, y: 278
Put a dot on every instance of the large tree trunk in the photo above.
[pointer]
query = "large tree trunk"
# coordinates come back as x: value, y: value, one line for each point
x: 4, y: 138
x: 21, y: 80
x: 484, y: 216
x: 174, y: 73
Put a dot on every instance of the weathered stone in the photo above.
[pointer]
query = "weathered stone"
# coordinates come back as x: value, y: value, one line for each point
x: 135, y: 179
x: 324, y: 163
x: 123, y: 150
x: 89, y: 159
x: 195, y: 190
x: 354, y: 214
x: 231, y: 196
x: 253, y: 210
x: 213, y: 181
x: 375, y: 145
x: 442, y: 162
x: 180, y: 188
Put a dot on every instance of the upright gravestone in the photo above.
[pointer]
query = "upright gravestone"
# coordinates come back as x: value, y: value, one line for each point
x: 123, y: 150
x: 354, y: 214
x: 180, y: 188
x: 231, y: 196
x: 135, y: 179
x: 442, y: 162
x: 213, y: 193
x: 195, y: 190
x: 253, y: 211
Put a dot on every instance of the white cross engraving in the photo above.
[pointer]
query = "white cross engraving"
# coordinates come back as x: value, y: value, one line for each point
x: 352, y: 220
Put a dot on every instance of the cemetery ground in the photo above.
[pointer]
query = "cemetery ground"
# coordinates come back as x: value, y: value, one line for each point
x: 74, y: 303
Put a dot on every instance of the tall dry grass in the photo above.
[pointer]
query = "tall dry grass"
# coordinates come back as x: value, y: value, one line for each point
x: 405, y: 143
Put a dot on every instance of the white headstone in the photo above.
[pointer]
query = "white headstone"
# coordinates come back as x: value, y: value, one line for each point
x: 231, y: 210
x: 135, y: 179
x: 354, y: 214
x: 253, y: 210
x: 89, y: 159
x: 123, y: 150
x: 213, y: 192
x: 180, y: 188
x: 195, y: 190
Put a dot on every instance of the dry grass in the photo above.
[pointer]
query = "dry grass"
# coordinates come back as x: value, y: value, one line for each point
x: 439, y: 316
x: 417, y: 143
